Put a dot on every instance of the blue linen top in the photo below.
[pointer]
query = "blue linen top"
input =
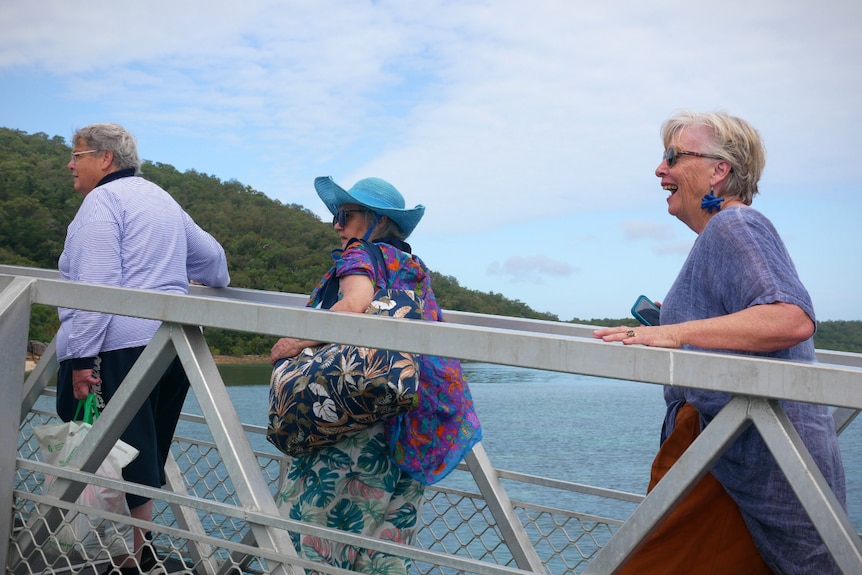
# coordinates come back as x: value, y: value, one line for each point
x: 130, y: 233
x: 739, y: 261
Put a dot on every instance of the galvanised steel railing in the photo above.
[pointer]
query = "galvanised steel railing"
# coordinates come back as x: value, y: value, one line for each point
x: 218, y: 513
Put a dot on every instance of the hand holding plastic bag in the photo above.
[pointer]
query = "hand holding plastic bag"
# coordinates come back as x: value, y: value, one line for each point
x: 83, y: 534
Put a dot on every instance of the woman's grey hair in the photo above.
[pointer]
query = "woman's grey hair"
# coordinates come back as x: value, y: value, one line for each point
x: 388, y: 229
x: 112, y: 138
x: 734, y: 140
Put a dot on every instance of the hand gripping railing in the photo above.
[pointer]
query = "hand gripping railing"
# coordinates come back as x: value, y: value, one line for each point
x: 757, y: 383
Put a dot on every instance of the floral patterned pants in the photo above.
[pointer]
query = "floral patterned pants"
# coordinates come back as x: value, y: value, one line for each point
x: 356, y: 487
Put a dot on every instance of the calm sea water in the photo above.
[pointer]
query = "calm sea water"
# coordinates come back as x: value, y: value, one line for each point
x: 576, y: 428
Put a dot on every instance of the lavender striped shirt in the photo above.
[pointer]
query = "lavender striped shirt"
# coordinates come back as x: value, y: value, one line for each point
x: 130, y: 233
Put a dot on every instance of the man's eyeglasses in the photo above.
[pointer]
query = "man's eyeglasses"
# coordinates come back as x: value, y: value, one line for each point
x: 671, y: 155
x: 342, y: 216
x: 76, y: 154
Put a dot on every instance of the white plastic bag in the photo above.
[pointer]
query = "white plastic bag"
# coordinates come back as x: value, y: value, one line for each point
x: 89, y: 536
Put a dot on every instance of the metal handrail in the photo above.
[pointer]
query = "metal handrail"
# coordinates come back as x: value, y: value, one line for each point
x: 757, y: 383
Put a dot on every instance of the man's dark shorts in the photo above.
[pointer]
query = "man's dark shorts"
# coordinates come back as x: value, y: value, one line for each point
x: 151, y: 430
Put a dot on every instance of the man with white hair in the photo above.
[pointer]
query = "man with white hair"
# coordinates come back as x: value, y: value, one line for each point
x: 127, y: 233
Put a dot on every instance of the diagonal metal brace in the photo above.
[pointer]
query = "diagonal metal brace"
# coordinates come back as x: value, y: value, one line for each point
x: 814, y: 493
x: 696, y: 462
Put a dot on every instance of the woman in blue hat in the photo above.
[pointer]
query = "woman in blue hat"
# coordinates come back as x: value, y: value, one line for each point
x: 373, y: 483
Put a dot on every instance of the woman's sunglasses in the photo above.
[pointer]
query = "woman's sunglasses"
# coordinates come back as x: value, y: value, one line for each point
x: 671, y: 155
x: 341, y: 216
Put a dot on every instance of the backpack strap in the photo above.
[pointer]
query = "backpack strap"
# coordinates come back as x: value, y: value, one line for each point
x: 376, y: 254
x: 332, y: 287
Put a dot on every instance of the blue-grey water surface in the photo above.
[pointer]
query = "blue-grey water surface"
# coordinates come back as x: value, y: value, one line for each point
x: 574, y: 428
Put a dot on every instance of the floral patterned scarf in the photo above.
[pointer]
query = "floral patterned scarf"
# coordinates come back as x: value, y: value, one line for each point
x: 428, y: 442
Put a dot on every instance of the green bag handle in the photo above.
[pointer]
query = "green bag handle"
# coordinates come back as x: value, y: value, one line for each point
x: 90, y: 406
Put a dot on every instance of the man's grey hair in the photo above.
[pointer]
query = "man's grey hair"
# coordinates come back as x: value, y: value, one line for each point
x: 111, y: 138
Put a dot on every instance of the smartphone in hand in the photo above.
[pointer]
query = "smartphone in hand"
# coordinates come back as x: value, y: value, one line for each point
x: 645, y: 311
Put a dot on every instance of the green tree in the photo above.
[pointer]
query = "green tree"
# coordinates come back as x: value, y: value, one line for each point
x: 269, y: 245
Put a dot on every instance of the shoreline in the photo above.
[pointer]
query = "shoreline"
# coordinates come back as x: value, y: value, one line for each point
x: 30, y: 364
x: 222, y: 359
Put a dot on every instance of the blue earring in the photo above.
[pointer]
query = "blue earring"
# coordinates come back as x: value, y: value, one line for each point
x: 709, y: 202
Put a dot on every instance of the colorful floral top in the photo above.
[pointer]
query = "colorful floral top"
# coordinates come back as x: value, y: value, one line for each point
x: 429, y: 441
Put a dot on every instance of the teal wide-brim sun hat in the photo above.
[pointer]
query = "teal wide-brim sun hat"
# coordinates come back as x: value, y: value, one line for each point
x: 377, y: 195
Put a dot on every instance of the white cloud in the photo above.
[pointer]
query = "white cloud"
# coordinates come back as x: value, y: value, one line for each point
x: 495, y: 115
x: 673, y: 248
x: 652, y: 230
x: 69, y: 38
x: 531, y: 269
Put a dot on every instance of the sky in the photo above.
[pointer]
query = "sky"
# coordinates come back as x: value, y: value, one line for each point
x: 530, y: 131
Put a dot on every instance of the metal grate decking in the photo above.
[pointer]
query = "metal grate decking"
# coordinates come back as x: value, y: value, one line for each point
x: 218, y: 514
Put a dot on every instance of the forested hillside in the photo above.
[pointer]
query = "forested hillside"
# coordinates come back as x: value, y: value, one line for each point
x: 269, y: 245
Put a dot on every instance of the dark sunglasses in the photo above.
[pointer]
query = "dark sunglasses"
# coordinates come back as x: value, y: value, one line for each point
x: 671, y: 155
x: 341, y: 216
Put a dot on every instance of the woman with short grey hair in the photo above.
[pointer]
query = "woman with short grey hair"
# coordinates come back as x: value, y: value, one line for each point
x: 738, y: 292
